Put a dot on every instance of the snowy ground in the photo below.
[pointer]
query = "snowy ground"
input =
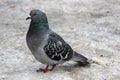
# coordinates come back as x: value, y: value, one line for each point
x: 91, y: 27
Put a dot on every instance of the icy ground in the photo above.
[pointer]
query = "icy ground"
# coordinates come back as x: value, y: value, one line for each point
x: 91, y: 27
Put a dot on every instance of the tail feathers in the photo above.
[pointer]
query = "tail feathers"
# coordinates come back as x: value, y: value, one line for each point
x: 82, y: 61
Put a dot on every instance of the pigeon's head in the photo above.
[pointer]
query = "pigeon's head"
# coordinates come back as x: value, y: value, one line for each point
x: 37, y: 15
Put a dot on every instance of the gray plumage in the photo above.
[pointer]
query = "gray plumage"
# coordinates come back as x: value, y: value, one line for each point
x: 47, y: 46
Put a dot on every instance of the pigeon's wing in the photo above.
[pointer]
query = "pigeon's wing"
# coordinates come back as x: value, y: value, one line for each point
x: 57, y: 49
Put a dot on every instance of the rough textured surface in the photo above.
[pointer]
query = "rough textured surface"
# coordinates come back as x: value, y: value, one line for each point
x: 91, y: 27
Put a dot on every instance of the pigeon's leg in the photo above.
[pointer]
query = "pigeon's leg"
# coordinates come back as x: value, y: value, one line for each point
x: 53, y: 66
x: 43, y: 70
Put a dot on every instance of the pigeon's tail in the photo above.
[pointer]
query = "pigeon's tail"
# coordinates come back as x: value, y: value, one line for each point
x: 82, y: 61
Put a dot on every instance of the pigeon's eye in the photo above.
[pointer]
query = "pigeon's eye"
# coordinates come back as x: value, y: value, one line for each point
x: 34, y: 14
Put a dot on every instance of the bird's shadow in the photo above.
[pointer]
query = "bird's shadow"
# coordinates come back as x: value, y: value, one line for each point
x: 70, y: 66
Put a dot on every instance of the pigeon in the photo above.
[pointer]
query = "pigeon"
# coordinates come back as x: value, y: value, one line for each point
x: 47, y: 46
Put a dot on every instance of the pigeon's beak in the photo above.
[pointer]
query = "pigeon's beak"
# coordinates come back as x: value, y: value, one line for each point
x: 28, y: 18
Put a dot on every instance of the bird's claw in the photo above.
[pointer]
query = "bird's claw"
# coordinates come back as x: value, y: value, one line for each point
x: 42, y: 70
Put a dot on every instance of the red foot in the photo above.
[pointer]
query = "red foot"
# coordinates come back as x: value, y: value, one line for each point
x: 46, y: 69
x: 43, y: 70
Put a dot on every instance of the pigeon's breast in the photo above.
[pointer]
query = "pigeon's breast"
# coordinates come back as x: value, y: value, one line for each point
x: 35, y: 41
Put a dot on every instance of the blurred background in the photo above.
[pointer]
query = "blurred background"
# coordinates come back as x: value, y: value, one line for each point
x: 91, y: 27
